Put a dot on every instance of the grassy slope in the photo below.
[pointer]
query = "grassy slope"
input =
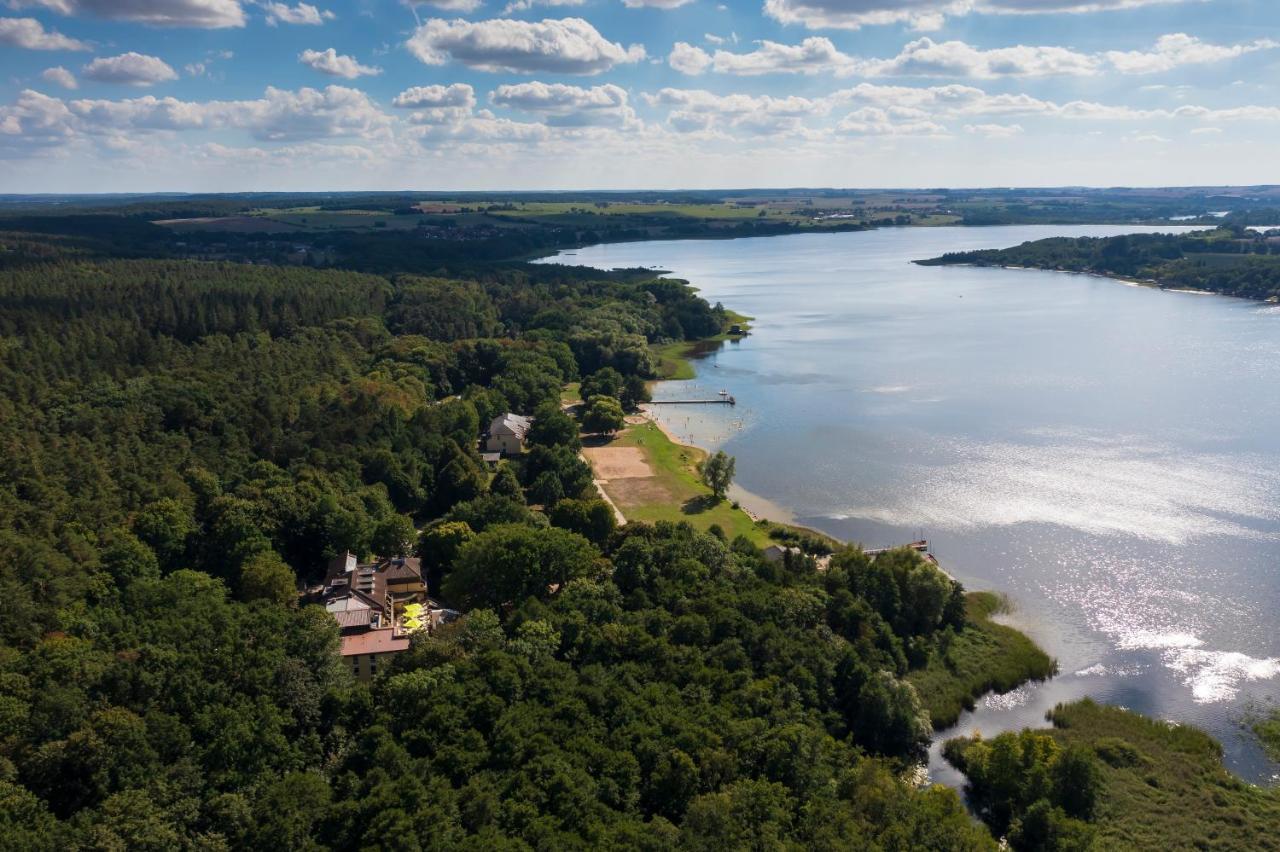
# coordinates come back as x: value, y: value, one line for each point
x: 1173, y: 793
x: 675, y: 475
x: 986, y: 656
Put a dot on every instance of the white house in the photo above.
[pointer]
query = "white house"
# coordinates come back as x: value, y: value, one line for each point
x: 506, y: 434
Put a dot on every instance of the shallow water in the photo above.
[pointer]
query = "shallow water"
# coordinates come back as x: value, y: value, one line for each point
x: 1108, y: 455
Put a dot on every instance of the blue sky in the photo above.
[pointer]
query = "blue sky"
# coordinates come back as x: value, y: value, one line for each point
x: 223, y: 95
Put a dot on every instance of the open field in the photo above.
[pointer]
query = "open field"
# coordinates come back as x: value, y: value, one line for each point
x: 651, y: 478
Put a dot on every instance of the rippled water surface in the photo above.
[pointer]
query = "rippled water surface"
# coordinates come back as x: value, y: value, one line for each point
x: 1109, y: 455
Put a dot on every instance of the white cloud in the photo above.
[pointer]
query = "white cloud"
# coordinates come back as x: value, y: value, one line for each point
x: 302, y: 14
x: 31, y: 34
x: 1206, y: 131
x: 697, y: 110
x: 564, y: 46
x: 420, y: 97
x: 59, y: 76
x: 813, y: 55
x: 130, y: 69
x: 1178, y: 49
x: 336, y: 65
x: 925, y: 15
x: 688, y: 59
x: 994, y: 131
x: 279, y: 114
x: 205, y: 14
x: 927, y: 58
x: 893, y: 121
x: 567, y: 106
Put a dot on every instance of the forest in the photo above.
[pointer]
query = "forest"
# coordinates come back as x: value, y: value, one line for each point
x: 187, y: 442
x: 1230, y: 260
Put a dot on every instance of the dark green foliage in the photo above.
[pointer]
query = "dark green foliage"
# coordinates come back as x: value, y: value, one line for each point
x: 1229, y: 260
x: 511, y: 562
x: 552, y: 427
x: 1106, y: 778
x: 591, y: 519
x: 603, y: 415
x: 506, y: 484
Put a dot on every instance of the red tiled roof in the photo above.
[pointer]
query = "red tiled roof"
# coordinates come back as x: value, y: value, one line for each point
x: 374, y: 642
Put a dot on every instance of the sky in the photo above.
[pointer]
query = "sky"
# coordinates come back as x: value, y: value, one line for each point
x: 257, y: 95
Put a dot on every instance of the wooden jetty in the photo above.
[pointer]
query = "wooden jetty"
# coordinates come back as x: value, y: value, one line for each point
x: 724, y: 398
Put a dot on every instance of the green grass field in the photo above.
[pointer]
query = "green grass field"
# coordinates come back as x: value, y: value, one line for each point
x: 675, y: 491
x: 984, y: 657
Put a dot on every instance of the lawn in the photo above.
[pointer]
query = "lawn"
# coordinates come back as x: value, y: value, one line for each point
x: 673, y: 490
x: 984, y: 657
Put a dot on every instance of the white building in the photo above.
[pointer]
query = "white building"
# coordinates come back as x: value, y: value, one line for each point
x: 506, y: 434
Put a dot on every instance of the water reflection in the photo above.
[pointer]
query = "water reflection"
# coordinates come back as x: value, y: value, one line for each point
x: 1107, y: 455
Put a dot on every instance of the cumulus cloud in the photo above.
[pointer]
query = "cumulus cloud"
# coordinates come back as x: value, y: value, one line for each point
x: 1177, y: 49
x: 279, y: 115
x: 893, y: 121
x: 927, y: 58
x: 335, y: 64
x: 205, y: 14
x: 59, y: 76
x: 812, y: 56
x: 303, y: 14
x: 687, y: 59
x: 129, y: 69
x: 420, y: 97
x: 567, y: 106
x: 31, y: 34
x: 925, y: 14
x: 697, y: 110
x: 563, y: 46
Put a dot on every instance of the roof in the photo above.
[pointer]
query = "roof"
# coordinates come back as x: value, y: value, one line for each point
x: 382, y: 641
x: 354, y: 619
x: 346, y: 577
x: 510, y: 424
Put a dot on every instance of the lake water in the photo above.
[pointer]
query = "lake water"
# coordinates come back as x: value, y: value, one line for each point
x: 1108, y: 455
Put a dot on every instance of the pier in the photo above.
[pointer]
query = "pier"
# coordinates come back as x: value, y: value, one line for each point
x: 724, y: 398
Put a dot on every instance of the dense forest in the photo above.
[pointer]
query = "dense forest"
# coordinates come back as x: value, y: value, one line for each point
x: 186, y: 443
x: 1233, y: 261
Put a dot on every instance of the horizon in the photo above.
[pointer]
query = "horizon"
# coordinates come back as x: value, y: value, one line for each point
x: 634, y: 95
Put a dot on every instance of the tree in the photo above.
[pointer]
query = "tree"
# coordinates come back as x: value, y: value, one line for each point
x: 506, y: 484
x: 547, y: 489
x: 603, y: 414
x: 511, y: 562
x: 265, y: 576
x: 592, y: 519
x: 603, y: 382
x: 439, y: 546
x: 717, y: 473
x: 635, y: 392
x: 553, y: 428
x: 393, y: 535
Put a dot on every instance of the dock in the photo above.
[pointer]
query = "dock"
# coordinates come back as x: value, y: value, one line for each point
x: 724, y: 398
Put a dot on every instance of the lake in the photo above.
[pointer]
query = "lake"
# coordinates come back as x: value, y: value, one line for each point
x: 1107, y: 455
